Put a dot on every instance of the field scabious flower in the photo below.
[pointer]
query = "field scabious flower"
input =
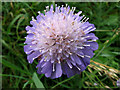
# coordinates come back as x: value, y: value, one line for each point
x: 118, y: 82
x: 61, y: 40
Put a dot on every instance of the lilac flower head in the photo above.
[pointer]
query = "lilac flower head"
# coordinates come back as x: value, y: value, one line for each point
x: 118, y: 82
x: 61, y: 41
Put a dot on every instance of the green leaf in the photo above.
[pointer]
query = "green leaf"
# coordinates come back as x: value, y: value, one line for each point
x: 37, y: 82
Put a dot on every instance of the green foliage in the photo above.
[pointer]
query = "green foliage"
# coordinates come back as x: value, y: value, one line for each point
x: 18, y: 73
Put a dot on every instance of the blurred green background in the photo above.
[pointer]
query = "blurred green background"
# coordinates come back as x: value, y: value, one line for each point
x: 104, y: 70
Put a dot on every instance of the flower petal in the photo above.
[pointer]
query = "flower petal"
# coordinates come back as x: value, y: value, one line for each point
x: 88, y: 52
x: 91, y: 36
x: 86, y: 60
x: 27, y: 49
x: 33, y: 56
x: 47, y: 69
x: 58, y: 70
x: 75, y: 58
x: 67, y: 70
x: 93, y: 45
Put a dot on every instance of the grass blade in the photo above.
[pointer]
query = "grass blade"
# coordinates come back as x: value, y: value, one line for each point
x: 5, y: 75
x: 63, y: 81
x: 14, y: 20
x: 10, y: 65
